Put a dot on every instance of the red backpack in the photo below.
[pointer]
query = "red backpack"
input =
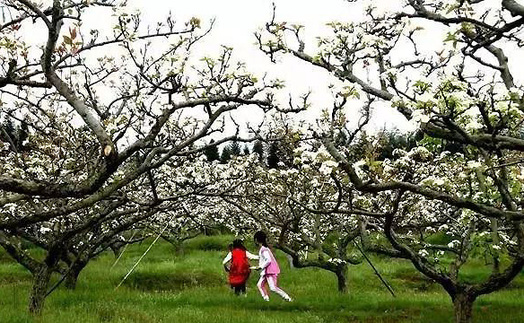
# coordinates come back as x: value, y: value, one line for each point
x: 239, y: 271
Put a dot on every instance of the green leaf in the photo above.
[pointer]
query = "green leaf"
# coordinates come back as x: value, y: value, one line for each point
x: 67, y: 40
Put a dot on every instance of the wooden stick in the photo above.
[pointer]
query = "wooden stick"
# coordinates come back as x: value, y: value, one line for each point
x: 376, y: 271
x: 145, y: 253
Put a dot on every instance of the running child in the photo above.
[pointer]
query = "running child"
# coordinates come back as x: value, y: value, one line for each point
x: 269, y: 269
x: 239, y: 269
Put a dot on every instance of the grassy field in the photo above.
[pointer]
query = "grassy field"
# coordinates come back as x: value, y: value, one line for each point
x: 187, y: 284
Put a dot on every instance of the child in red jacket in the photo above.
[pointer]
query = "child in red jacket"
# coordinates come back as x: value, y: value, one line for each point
x: 239, y: 269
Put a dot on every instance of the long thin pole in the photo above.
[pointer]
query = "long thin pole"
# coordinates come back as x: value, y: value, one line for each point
x: 145, y: 253
x: 122, y: 253
x: 376, y: 271
x: 65, y: 274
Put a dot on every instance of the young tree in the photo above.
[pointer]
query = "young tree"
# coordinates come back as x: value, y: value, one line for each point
x: 11, y: 136
x: 246, y: 150
x: 234, y: 148
x: 225, y: 156
x: 272, y: 155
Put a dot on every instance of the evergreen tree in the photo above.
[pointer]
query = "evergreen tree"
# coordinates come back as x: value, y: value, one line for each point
x: 258, y: 148
x: 234, y: 148
x: 211, y: 152
x: 285, y: 152
x: 226, y: 155
x: 246, y: 151
x: 272, y: 155
x: 22, y: 135
x: 8, y: 134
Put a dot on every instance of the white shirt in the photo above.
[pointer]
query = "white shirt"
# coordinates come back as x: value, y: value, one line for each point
x: 264, y: 260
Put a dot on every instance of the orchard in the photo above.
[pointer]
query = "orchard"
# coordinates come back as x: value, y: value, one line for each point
x: 117, y: 133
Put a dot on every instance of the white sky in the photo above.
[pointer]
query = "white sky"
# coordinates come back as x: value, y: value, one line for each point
x: 236, y: 22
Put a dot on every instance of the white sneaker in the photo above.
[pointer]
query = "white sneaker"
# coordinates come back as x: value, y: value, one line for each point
x: 266, y: 298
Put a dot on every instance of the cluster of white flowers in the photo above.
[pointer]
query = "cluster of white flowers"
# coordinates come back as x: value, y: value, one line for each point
x: 454, y: 244
x: 336, y: 261
x: 433, y: 181
x: 473, y: 164
x: 327, y: 167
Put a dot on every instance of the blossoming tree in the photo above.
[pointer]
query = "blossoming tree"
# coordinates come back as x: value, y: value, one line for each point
x: 286, y: 202
x: 104, y: 106
x: 462, y: 90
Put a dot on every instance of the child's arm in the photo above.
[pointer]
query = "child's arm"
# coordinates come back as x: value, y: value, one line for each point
x: 228, y: 258
x: 264, y: 260
x: 251, y: 256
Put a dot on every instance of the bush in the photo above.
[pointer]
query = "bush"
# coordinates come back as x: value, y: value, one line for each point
x: 439, y: 238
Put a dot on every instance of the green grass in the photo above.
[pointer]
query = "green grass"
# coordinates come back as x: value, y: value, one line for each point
x: 187, y: 284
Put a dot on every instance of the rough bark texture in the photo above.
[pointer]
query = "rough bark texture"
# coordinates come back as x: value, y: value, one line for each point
x: 72, y: 276
x: 38, y: 292
x: 342, y: 274
x: 463, y: 308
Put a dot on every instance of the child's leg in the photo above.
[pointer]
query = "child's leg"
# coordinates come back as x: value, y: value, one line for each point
x: 272, y: 282
x: 262, y: 287
x: 243, y: 289
x: 237, y: 290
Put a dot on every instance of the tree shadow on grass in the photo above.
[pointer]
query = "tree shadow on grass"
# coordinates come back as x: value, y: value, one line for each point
x: 411, y: 279
x: 8, y: 276
x: 174, y: 281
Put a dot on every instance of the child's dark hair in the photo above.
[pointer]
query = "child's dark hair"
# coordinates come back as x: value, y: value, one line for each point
x: 238, y: 244
x: 230, y: 247
x: 261, y: 237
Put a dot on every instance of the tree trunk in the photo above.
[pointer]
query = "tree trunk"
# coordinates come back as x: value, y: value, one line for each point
x: 71, y: 279
x: 37, y: 297
x: 463, y: 307
x: 72, y: 276
x: 116, y: 249
x: 342, y: 273
x: 496, y: 241
x: 290, y: 261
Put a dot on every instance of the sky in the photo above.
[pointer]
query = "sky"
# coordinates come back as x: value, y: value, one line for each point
x: 236, y: 21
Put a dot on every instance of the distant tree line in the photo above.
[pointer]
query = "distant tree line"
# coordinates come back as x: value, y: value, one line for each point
x: 271, y: 154
x: 14, y: 136
x: 279, y: 153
